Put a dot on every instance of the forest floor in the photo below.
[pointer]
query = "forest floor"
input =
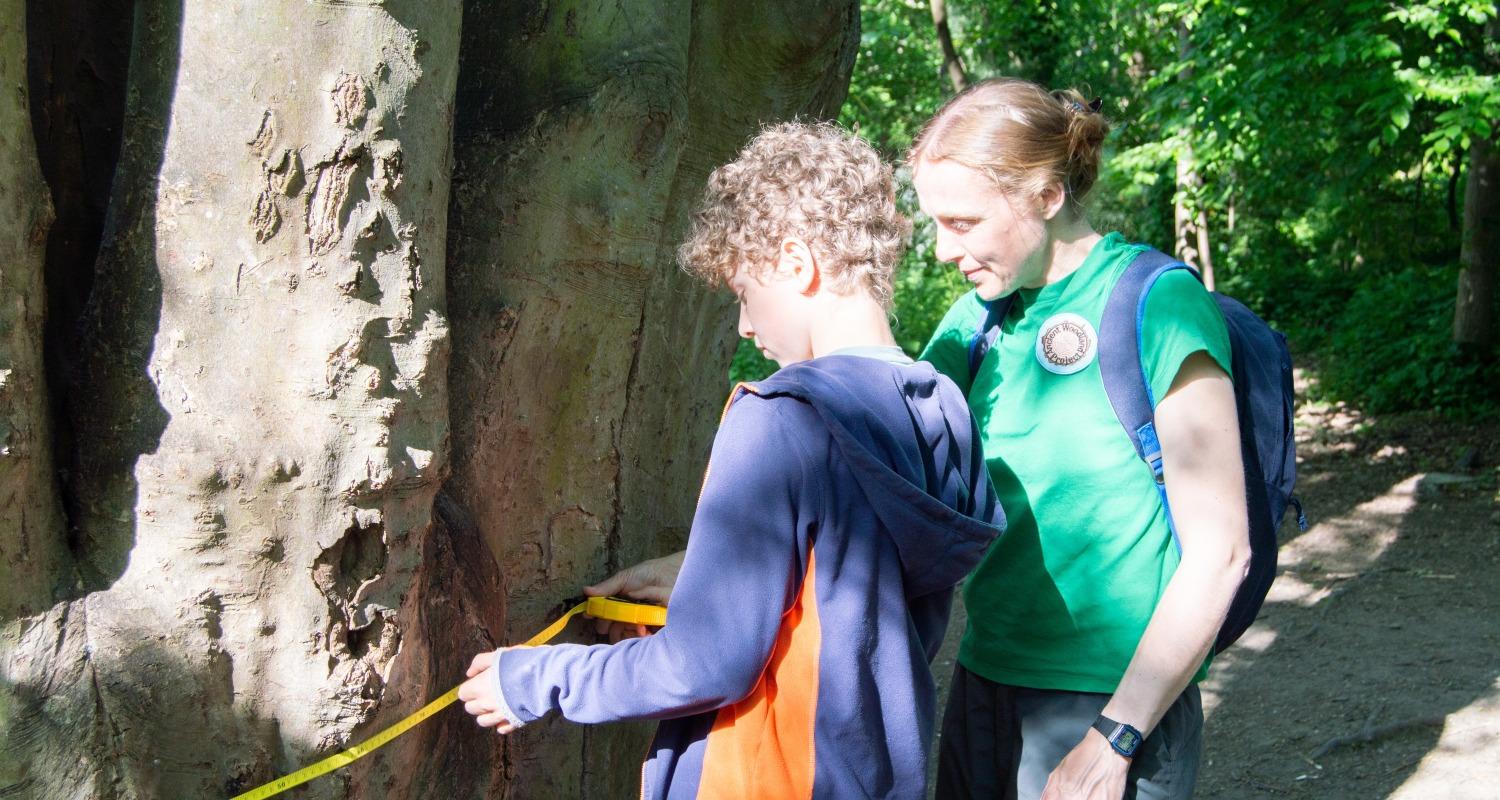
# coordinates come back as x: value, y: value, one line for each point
x: 1374, y: 668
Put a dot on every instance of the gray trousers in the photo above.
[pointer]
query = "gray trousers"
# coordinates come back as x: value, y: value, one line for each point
x: 1004, y: 741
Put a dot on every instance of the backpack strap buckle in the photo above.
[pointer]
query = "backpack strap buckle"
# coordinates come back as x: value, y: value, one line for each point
x: 1150, y: 449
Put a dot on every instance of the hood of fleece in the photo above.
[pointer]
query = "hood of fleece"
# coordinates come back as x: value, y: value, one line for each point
x: 916, y: 454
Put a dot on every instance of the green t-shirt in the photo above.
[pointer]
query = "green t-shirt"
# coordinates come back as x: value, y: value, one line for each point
x: 1062, y: 598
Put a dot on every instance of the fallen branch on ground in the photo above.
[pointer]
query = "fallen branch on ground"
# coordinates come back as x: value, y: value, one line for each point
x: 1369, y: 733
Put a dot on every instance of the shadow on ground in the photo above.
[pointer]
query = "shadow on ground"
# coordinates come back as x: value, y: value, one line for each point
x: 1380, y: 625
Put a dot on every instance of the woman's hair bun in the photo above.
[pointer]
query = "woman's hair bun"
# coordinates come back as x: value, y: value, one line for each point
x: 1086, y: 131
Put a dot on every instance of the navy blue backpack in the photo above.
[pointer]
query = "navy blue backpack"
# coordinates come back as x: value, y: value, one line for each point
x: 1262, y: 392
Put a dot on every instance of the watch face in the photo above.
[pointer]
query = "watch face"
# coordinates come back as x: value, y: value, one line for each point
x: 1127, y: 741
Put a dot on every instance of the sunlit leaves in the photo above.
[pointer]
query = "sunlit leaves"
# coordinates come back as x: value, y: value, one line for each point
x: 1327, y: 132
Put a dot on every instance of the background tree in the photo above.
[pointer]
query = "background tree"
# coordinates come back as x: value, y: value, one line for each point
x: 1474, y: 316
x: 952, y: 63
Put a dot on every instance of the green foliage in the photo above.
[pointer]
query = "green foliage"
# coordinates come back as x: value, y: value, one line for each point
x: 749, y: 364
x: 897, y: 83
x: 1330, y: 139
x: 1390, y: 348
x: 924, y: 291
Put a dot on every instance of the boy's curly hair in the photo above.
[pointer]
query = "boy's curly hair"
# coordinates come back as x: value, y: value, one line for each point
x: 811, y: 180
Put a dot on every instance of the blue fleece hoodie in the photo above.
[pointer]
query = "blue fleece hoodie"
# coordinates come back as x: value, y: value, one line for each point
x: 845, y: 497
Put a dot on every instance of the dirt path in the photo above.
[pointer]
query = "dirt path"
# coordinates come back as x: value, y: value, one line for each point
x: 1384, y: 619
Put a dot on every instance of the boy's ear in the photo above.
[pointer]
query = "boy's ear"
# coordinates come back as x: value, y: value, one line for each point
x: 795, y: 259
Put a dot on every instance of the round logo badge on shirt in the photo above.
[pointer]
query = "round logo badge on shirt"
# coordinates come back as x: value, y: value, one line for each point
x: 1066, y: 344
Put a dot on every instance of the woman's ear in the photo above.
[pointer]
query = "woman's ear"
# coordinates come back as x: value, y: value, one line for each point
x: 795, y: 259
x: 1051, y: 201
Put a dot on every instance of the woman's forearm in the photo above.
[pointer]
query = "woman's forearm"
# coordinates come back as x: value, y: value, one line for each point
x: 1177, y: 639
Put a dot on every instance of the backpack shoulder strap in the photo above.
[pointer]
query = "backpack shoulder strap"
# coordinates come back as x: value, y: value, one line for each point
x: 987, y: 331
x: 1120, y: 365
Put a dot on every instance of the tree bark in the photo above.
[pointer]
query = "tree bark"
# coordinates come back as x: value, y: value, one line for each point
x: 953, y: 64
x: 1474, y: 312
x: 34, y: 563
x: 78, y: 53
x: 588, y: 371
x: 1455, y: 222
x: 1190, y: 219
x: 261, y: 421
x: 1205, y: 252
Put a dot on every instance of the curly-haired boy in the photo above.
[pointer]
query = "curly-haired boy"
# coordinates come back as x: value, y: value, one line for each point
x: 846, y: 496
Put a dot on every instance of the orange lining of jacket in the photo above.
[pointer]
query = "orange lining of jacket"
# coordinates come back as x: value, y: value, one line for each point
x: 762, y: 746
x: 755, y: 750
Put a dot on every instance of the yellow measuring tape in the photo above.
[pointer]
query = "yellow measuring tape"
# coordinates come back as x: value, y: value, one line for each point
x: 608, y: 608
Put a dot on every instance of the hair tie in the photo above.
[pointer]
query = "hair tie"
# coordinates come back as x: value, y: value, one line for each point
x: 1077, y: 107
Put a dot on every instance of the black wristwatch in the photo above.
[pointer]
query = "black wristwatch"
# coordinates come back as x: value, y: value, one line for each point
x: 1125, y: 739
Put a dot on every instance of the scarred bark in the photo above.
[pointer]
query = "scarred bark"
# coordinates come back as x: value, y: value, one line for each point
x: 259, y: 412
x: 588, y: 371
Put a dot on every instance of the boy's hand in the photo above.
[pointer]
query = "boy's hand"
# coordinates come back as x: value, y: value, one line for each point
x: 480, y: 694
x: 651, y: 581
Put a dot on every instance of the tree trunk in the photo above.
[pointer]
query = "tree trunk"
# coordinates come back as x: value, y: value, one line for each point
x: 78, y: 53
x: 1474, y: 313
x: 1205, y: 252
x: 953, y: 64
x: 34, y: 564
x: 1455, y: 222
x: 258, y: 401
x: 259, y: 413
x: 588, y: 371
x: 1190, y: 219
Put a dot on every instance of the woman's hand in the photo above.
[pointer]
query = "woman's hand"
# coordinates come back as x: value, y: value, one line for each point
x: 1092, y: 771
x: 651, y: 581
